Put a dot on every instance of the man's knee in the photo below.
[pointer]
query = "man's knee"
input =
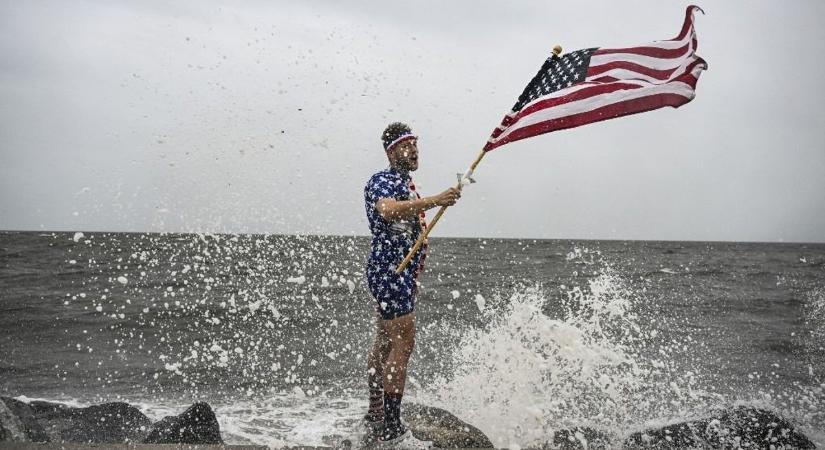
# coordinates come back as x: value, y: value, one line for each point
x: 406, y: 341
x: 400, y: 332
x: 409, y: 337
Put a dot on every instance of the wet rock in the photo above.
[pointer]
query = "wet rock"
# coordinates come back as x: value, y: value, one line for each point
x: 116, y: 422
x: 17, y: 422
x: 196, y: 425
x: 107, y: 423
x: 443, y: 428
x: 741, y: 427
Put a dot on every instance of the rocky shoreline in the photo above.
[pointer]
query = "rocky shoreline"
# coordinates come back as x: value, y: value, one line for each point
x: 117, y: 422
x: 123, y: 424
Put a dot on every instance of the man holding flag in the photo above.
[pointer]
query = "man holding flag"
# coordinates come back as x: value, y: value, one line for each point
x: 579, y: 88
x: 396, y: 218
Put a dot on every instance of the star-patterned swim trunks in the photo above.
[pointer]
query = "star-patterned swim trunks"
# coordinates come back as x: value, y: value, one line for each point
x: 394, y: 294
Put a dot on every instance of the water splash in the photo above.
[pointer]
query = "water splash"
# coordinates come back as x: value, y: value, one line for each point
x: 548, y: 362
x: 815, y: 317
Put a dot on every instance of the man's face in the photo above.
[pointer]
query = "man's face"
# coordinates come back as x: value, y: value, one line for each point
x: 406, y: 155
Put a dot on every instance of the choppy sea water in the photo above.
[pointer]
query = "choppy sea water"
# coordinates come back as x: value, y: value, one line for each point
x: 518, y: 337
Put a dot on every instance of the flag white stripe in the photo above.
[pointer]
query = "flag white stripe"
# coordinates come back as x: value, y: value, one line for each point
x: 598, y: 101
x: 642, y: 60
x: 556, y: 94
x: 629, y: 75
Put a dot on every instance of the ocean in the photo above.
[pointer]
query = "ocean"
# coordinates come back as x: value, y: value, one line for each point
x: 519, y: 337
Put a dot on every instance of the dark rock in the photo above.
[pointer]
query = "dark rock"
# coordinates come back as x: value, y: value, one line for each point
x: 103, y: 424
x: 17, y: 423
x: 443, y: 428
x: 580, y: 438
x: 106, y: 423
x: 196, y: 425
x: 741, y: 427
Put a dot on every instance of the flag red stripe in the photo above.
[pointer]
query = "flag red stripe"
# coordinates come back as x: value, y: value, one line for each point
x: 614, y: 110
x: 688, y: 77
x: 511, y: 118
x: 596, y: 89
x: 655, y: 52
x: 688, y: 24
x: 633, y: 67
x: 605, y: 79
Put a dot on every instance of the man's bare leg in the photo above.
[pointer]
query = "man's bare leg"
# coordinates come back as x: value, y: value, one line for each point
x: 401, y: 336
x: 375, y: 373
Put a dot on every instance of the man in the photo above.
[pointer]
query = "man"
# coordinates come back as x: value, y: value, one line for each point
x: 396, y: 217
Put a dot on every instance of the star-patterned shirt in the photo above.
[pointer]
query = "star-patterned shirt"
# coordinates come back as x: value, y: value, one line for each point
x: 391, y: 240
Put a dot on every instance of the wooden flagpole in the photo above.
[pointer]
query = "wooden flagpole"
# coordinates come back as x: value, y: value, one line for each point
x: 556, y: 52
x: 431, y: 225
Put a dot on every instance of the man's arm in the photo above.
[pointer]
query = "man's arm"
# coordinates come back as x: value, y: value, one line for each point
x: 392, y: 210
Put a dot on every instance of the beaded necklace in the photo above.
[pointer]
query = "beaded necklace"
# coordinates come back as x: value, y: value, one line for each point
x: 422, y: 222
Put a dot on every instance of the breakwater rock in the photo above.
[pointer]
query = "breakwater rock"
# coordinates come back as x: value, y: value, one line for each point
x: 119, y: 423
x: 107, y: 423
x: 741, y: 427
x: 443, y: 428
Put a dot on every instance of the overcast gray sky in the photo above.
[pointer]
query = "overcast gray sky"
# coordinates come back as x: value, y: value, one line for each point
x: 265, y: 117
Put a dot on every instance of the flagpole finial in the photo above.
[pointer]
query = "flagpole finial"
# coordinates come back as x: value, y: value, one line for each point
x: 557, y: 50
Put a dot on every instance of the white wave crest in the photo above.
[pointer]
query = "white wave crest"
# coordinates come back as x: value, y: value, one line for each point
x: 527, y: 374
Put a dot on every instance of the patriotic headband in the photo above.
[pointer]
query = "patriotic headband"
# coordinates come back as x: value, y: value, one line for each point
x: 394, y: 133
x: 403, y: 137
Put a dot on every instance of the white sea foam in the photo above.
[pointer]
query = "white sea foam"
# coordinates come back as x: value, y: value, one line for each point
x: 297, y: 280
x: 71, y: 402
x: 480, y: 302
x: 279, y: 419
x: 532, y: 374
x: 815, y: 312
x: 583, y: 256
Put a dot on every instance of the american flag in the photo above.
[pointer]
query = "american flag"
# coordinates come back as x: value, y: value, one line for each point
x: 597, y: 84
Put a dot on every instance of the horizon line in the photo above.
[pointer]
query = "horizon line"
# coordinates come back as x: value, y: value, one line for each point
x: 431, y: 237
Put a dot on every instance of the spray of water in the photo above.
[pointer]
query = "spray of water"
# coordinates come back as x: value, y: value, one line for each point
x: 549, y: 362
